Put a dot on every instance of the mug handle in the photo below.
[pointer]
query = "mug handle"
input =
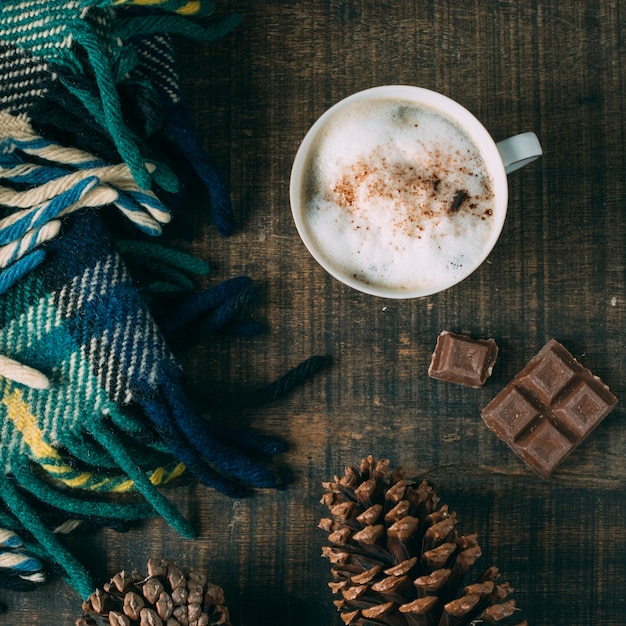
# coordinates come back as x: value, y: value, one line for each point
x: 519, y: 150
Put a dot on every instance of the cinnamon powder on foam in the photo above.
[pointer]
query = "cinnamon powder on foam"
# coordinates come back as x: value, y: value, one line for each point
x: 398, y: 196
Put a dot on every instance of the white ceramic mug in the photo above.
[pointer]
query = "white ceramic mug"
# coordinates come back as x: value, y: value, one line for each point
x: 338, y: 252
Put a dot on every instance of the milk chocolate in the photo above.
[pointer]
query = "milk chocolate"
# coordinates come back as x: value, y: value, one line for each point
x: 462, y: 360
x: 549, y: 408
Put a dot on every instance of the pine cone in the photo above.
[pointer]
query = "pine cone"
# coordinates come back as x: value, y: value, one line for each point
x: 167, y: 596
x: 397, y: 559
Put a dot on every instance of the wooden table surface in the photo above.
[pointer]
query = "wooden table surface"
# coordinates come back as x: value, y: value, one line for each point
x: 558, y: 68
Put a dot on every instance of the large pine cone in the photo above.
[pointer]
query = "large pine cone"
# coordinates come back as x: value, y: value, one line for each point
x: 397, y: 559
x: 167, y: 596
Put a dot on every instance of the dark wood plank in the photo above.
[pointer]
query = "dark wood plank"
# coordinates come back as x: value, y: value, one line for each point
x: 558, y: 271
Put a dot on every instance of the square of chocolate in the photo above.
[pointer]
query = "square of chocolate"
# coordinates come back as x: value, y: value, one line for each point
x: 549, y: 408
x: 462, y: 360
x: 549, y: 377
x: 581, y: 409
x: 547, y: 447
x: 512, y: 415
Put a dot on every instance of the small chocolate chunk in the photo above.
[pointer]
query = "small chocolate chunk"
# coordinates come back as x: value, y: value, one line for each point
x: 462, y: 360
x: 549, y: 408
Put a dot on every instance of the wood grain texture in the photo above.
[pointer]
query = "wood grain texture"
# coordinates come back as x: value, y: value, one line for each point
x: 558, y: 271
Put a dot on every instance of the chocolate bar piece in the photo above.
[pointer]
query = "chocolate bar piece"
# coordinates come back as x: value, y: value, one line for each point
x: 460, y: 359
x: 548, y: 408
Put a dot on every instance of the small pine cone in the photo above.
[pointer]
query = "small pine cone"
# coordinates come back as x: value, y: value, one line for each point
x: 396, y: 556
x: 167, y: 596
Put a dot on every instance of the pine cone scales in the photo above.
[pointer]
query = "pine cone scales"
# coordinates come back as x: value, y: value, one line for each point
x: 397, y: 558
x: 167, y: 596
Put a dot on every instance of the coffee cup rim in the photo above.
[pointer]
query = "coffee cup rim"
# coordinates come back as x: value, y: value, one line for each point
x: 442, y: 104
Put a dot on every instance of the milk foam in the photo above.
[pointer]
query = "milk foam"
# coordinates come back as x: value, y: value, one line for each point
x: 398, y: 196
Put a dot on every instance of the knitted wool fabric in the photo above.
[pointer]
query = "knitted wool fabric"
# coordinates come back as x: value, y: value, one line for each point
x: 71, y: 65
x: 92, y: 411
x: 84, y: 44
x: 79, y: 320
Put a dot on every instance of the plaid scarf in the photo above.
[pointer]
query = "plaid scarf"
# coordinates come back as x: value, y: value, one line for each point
x: 92, y: 408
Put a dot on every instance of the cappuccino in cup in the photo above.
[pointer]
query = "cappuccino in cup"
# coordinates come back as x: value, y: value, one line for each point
x: 398, y: 193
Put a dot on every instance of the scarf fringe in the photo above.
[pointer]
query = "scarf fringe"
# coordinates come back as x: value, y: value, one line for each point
x: 94, y: 418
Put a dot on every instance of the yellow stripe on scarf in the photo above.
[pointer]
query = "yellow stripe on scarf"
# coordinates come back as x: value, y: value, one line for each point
x: 19, y: 413
x: 191, y: 8
x: 51, y: 461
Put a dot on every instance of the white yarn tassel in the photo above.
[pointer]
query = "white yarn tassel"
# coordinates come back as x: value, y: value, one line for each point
x: 9, y: 539
x: 10, y: 252
x: 15, y: 371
